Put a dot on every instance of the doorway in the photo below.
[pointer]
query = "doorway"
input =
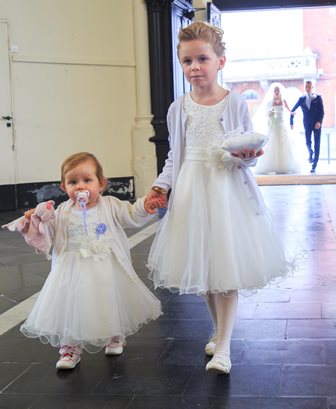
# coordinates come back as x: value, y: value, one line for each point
x: 286, y: 45
x: 7, y: 139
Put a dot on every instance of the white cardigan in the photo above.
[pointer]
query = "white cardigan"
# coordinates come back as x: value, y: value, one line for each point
x: 117, y: 214
x: 235, y: 115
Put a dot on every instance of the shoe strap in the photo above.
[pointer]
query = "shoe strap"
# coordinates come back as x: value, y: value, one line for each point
x: 67, y: 354
x: 118, y: 339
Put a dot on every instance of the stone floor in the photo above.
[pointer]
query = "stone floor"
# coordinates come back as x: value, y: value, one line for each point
x: 283, y: 346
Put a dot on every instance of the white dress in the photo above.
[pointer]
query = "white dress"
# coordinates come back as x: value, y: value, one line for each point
x: 88, y: 297
x: 280, y: 152
x: 212, y: 239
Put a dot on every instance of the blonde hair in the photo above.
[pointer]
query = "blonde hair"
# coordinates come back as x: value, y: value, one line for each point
x: 75, y: 159
x: 203, y: 31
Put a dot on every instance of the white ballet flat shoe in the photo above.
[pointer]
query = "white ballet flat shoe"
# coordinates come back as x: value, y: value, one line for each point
x: 211, y: 345
x: 220, y: 364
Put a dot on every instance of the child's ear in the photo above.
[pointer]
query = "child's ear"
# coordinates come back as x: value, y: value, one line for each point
x: 222, y: 62
x: 103, y: 184
x: 62, y: 187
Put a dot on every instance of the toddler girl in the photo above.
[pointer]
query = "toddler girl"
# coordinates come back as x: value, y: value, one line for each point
x: 92, y: 297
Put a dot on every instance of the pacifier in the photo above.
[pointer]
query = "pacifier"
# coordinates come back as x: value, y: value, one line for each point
x: 82, y: 198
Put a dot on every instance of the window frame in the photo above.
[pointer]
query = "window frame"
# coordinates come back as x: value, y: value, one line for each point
x: 230, y: 5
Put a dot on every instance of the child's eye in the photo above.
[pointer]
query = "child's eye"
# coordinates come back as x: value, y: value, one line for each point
x: 202, y: 59
x: 87, y: 180
x: 72, y: 182
x: 187, y: 61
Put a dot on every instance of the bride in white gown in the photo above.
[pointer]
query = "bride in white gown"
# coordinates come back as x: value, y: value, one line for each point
x: 272, y: 119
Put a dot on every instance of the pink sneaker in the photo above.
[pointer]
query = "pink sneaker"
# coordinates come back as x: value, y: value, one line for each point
x: 116, y: 346
x: 70, y: 357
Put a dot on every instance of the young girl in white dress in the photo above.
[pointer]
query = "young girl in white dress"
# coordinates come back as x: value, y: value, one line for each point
x: 92, y: 297
x: 272, y: 118
x: 216, y: 236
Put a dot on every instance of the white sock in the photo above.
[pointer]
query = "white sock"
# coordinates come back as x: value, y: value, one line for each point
x: 210, y: 300
x: 226, y: 308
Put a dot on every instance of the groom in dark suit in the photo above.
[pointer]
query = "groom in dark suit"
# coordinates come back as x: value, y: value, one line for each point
x: 313, y: 112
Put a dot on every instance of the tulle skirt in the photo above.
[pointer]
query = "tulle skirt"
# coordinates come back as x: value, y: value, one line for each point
x: 282, y: 152
x: 86, y: 302
x: 212, y: 239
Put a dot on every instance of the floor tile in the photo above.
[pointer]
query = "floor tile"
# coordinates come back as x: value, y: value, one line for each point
x: 251, y: 380
x: 132, y: 379
x: 10, y: 373
x: 308, y: 380
x: 311, y: 329
x: 259, y: 329
x: 332, y: 403
x: 42, y: 378
x: 277, y: 403
x: 288, y: 310
x: 284, y: 352
x: 17, y: 401
x: 82, y: 402
x: 172, y: 402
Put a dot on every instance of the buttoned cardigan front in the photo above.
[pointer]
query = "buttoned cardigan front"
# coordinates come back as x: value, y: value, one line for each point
x: 235, y: 116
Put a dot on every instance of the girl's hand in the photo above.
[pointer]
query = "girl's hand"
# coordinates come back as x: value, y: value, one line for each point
x: 29, y: 213
x: 151, y: 205
x: 154, y: 200
x: 248, y: 154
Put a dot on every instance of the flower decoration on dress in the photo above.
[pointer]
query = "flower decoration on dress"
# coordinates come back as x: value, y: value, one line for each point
x: 100, y: 229
x: 218, y: 158
x: 97, y: 249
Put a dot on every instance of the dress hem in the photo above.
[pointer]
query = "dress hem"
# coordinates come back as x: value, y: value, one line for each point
x: 175, y: 288
x: 91, y: 346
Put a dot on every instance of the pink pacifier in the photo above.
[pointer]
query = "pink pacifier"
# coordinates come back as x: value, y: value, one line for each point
x: 82, y: 198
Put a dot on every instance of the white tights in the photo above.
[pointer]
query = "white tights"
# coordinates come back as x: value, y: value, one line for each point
x: 223, y: 308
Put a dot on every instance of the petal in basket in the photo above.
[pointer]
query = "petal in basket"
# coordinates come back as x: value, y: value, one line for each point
x: 248, y: 140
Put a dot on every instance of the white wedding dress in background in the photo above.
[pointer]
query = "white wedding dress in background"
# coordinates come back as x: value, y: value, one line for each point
x: 280, y: 154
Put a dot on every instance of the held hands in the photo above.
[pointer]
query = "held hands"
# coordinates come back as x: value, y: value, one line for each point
x: 29, y: 213
x: 154, y: 200
x: 248, y: 154
x: 292, y: 114
x: 318, y: 125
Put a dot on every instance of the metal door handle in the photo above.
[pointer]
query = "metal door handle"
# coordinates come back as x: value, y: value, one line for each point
x: 7, y: 118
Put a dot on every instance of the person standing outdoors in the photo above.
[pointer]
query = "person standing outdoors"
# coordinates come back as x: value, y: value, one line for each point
x: 313, y: 112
